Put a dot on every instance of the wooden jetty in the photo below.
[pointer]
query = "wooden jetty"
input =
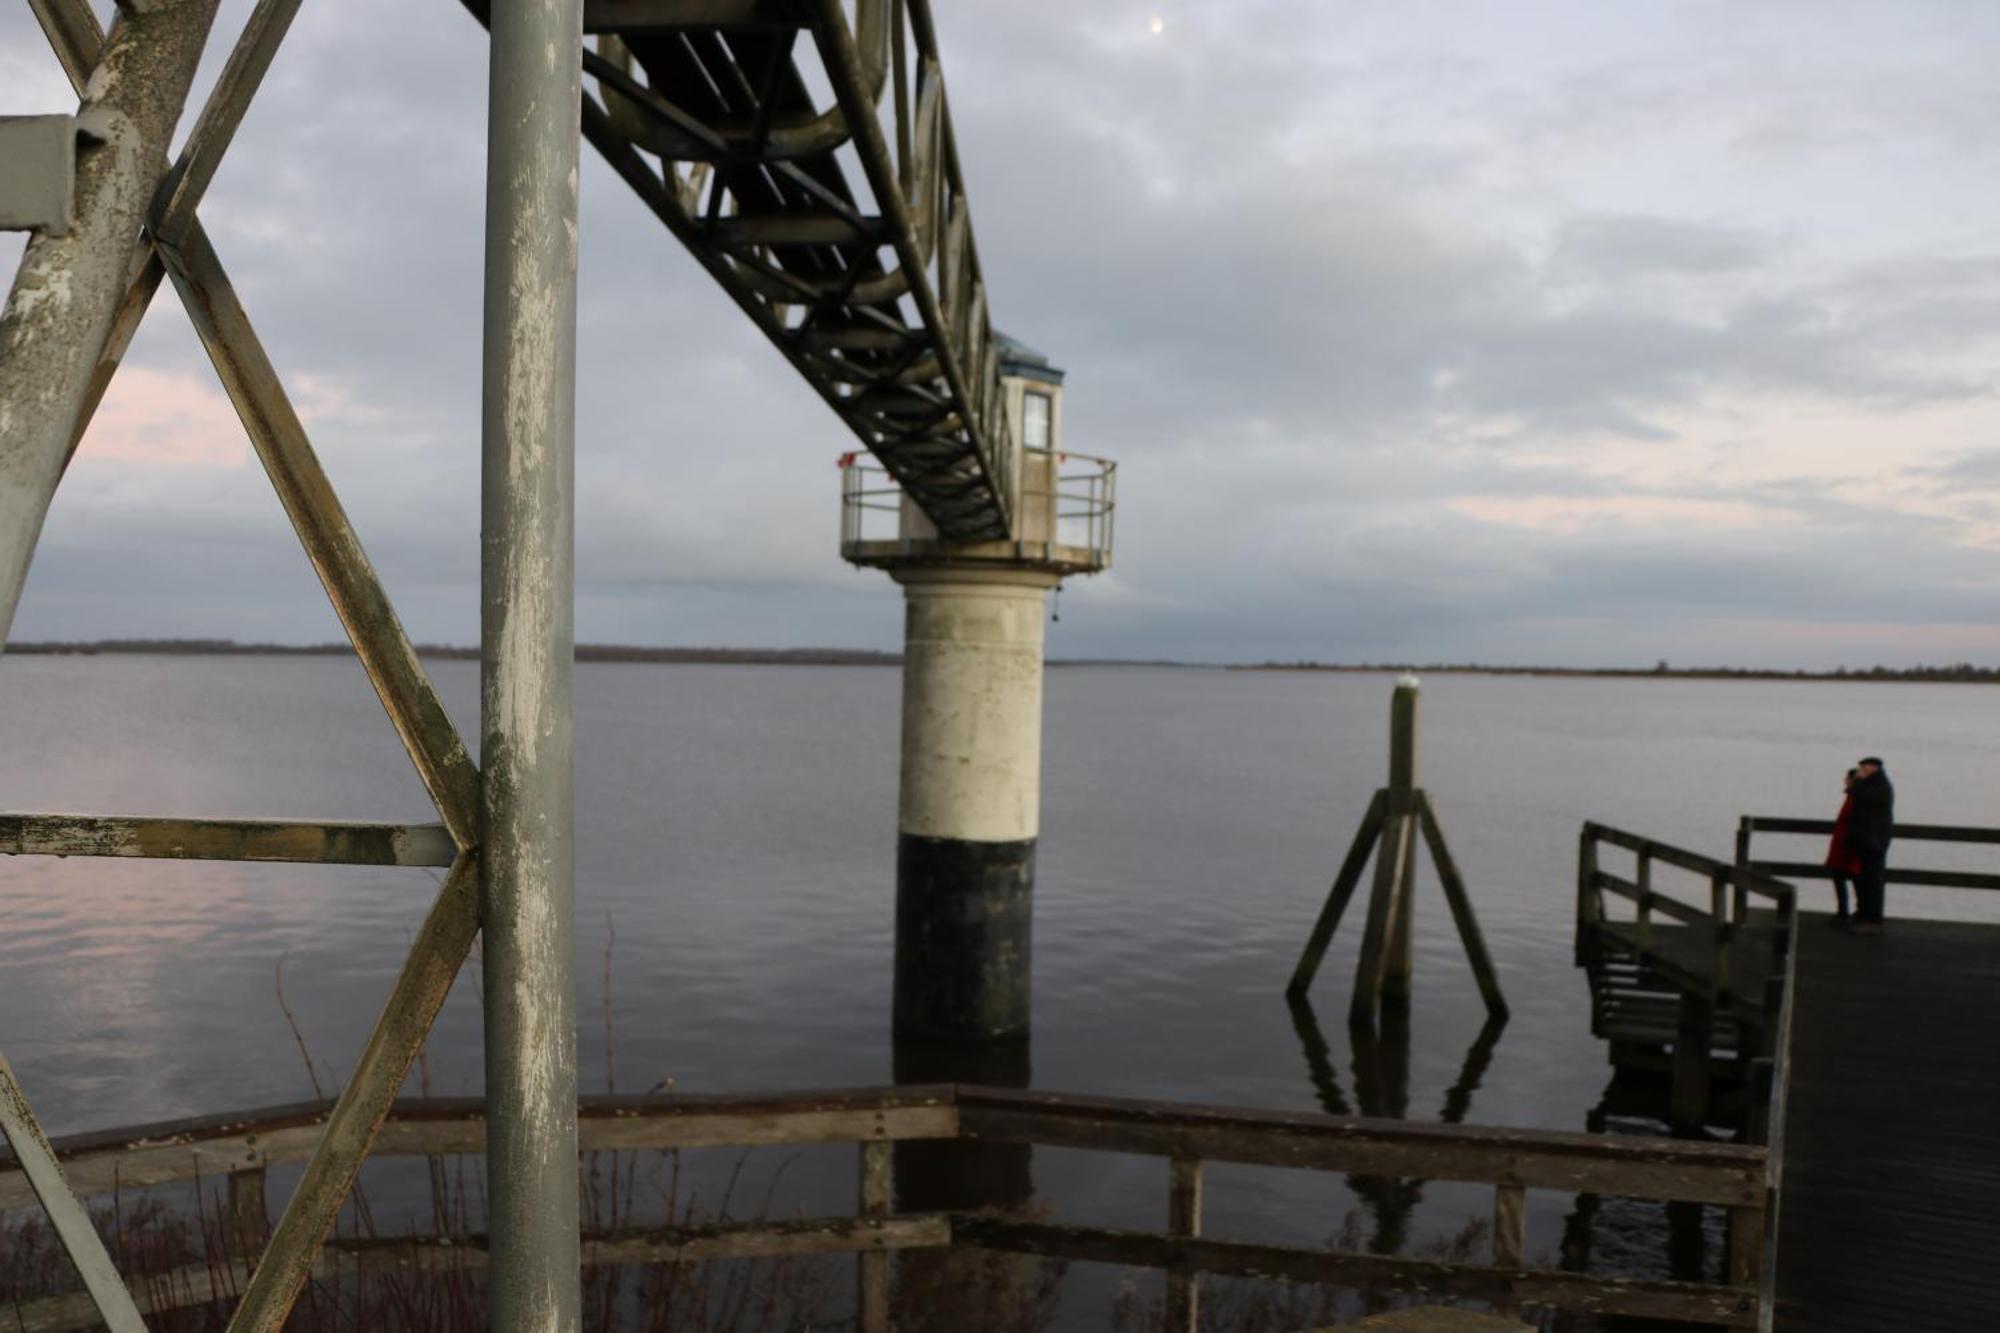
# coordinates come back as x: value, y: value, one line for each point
x: 1872, y: 1063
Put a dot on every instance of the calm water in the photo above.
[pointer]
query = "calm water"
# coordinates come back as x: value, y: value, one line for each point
x: 737, y: 837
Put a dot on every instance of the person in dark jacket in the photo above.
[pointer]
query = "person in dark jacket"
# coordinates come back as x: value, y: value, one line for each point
x: 1871, y: 822
x: 1840, y: 858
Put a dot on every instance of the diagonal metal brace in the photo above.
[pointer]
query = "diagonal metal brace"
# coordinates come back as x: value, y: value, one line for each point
x: 69, y: 1217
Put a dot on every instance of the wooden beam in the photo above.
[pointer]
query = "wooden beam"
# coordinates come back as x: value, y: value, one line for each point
x: 1684, y: 1301
x: 877, y: 1200
x: 326, y: 843
x: 1339, y: 895
x: 1667, y: 1169
x: 1462, y: 915
x: 1183, y: 1220
x: 1398, y: 834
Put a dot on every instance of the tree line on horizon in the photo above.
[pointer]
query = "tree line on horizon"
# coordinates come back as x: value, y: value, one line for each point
x: 1956, y: 673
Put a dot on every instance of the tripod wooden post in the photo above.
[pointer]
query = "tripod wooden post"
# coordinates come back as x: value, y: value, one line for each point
x: 1396, y: 817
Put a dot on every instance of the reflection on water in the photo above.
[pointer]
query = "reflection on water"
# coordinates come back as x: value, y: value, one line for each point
x: 964, y: 1175
x: 1381, y: 1071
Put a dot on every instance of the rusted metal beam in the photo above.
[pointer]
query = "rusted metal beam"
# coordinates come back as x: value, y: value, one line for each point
x: 644, y: 17
x: 73, y: 31
x: 426, y: 978
x: 328, y: 537
x: 69, y: 288
x: 279, y: 437
x: 37, y: 1162
x: 353, y: 844
x: 180, y: 194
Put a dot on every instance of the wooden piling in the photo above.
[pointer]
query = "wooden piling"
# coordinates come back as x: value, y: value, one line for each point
x: 1397, y: 815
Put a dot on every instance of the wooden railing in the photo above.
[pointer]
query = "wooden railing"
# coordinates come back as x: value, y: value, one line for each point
x: 1751, y: 825
x: 1512, y: 1161
x: 1730, y: 889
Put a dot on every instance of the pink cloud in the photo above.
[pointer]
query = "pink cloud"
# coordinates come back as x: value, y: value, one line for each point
x: 157, y: 419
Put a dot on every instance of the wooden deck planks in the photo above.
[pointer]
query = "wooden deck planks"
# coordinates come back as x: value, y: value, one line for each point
x: 1890, y: 1212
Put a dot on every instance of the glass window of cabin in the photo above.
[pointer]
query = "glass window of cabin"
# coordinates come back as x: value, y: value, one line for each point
x: 1035, y: 420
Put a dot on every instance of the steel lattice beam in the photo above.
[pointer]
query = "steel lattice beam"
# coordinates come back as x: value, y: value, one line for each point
x: 868, y: 281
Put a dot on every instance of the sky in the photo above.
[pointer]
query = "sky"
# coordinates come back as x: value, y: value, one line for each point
x: 1548, y: 333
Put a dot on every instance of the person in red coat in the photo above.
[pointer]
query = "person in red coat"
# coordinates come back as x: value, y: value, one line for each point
x: 1841, y: 858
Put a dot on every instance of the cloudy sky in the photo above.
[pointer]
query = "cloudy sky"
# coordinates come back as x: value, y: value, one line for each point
x: 1538, y: 332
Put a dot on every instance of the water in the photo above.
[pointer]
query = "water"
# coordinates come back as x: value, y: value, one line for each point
x: 736, y: 830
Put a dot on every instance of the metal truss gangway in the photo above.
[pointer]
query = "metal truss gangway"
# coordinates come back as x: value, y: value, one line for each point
x: 803, y: 152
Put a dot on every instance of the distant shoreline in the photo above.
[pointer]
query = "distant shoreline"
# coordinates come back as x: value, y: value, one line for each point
x: 1958, y: 673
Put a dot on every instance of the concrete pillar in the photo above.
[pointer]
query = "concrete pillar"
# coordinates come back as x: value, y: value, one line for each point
x: 970, y: 807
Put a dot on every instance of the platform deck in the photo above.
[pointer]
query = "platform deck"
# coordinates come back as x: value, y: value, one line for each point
x: 1889, y: 1214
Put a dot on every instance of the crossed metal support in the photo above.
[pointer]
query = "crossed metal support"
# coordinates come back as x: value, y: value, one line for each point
x: 136, y: 224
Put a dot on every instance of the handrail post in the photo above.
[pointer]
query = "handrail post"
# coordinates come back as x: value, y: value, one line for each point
x: 1643, y: 880
x: 1587, y: 904
x: 1510, y: 1233
x: 1183, y: 1220
x: 872, y: 1276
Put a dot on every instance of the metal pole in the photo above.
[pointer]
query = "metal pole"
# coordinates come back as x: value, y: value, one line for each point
x: 69, y: 288
x: 526, y: 577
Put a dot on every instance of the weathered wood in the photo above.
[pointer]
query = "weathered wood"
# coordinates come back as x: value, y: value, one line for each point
x: 1914, y: 876
x: 1510, y: 1226
x: 1889, y: 1212
x: 1689, y: 1098
x: 873, y: 1266
x: 1571, y: 1291
x: 1405, y: 757
x: 1904, y: 832
x: 1394, y: 850
x: 1589, y: 903
x: 347, y: 1257
x: 1538, y: 1159
x: 1339, y: 895
x: 1462, y: 915
x: 326, y: 843
x: 210, y: 1146
x: 1399, y: 964
x: 1764, y: 885
x: 1183, y: 1219
x: 1648, y: 900
x: 1746, y: 1246
x: 249, y: 1213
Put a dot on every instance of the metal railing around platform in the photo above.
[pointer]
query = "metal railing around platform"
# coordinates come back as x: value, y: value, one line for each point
x: 242, y: 1147
x: 1069, y: 504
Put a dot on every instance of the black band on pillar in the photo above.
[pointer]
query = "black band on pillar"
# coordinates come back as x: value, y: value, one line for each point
x: 964, y: 932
